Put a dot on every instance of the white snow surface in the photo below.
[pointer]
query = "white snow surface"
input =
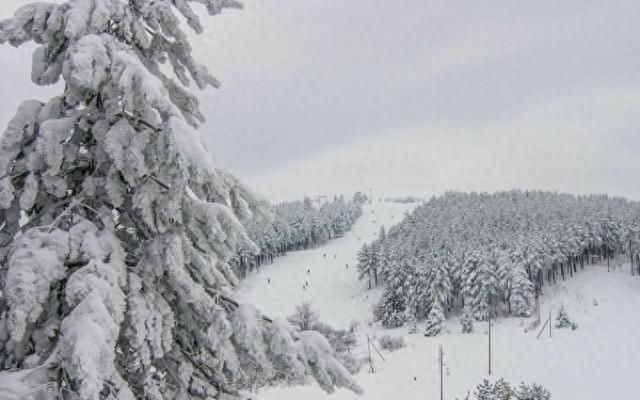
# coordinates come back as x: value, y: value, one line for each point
x: 333, y: 290
x: 597, y: 361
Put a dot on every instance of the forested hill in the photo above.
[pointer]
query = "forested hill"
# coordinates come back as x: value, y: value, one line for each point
x: 295, y: 225
x: 490, y: 253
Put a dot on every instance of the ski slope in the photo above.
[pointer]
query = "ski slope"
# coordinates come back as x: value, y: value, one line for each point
x: 333, y: 289
x: 597, y: 361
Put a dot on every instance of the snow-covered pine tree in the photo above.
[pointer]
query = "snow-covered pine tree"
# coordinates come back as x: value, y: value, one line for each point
x: 480, y: 284
x: 435, y: 320
x: 439, y: 291
x: 531, y: 392
x: 368, y: 263
x: 484, y: 390
x: 502, y: 390
x: 563, y: 320
x: 466, y: 320
x: 440, y: 287
x: 521, y: 297
x: 539, y: 392
x: 399, y: 302
x: 383, y: 233
x: 116, y: 226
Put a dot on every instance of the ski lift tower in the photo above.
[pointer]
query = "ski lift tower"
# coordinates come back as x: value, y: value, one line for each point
x: 319, y: 200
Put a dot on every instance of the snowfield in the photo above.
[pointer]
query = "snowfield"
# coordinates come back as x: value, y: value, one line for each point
x: 597, y: 361
x: 333, y: 290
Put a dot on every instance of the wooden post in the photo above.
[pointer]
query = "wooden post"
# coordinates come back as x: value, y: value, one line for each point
x: 537, y: 295
x: 371, y: 369
x: 489, y: 343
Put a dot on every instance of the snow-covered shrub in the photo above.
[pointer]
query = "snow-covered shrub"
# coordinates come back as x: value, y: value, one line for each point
x: 391, y: 343
x: 342, y: 341
x: 466, y: 321
x: 531, y: 392
x: 501, y: 390
x: 304, y: 317
x: 563, y: 320
x: 351, y: 362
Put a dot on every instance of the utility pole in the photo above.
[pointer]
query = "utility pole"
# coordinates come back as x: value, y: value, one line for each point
x: 537, y: 294
x: 441, y: 363
x: 489, y: 343
x: 371, y: 368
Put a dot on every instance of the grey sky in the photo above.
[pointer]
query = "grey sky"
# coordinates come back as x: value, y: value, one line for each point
x: 416, y: 97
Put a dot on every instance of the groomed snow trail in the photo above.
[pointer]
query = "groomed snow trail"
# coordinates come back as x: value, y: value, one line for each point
x: 597, y: 361
x: 333, y: 289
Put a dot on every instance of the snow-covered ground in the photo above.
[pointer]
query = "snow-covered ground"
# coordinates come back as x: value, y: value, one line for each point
x: 597, y: 361
x: 333, y: 290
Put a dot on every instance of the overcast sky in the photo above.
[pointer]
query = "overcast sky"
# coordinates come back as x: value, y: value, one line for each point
x: 415, y: 97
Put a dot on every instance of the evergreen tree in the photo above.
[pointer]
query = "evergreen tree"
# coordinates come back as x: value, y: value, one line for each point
x: 435, y: 321
x: 398, y: 304
x: 484, y: 390
x: 466, y: 321
x: 538, y: 392
x: 521, y: 295
x: 480, y: 285
x: 382, y: 234
x: 368, y: 263
x: 533, y: 392
x: 439, y: 282
x: 117, y: 285
x: 563, y: 320
x: 502, y: 390
x: 499, y: 249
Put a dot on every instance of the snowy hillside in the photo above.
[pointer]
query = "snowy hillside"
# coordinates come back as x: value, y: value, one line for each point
x: 333, y: 290
x: 597, y: 361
